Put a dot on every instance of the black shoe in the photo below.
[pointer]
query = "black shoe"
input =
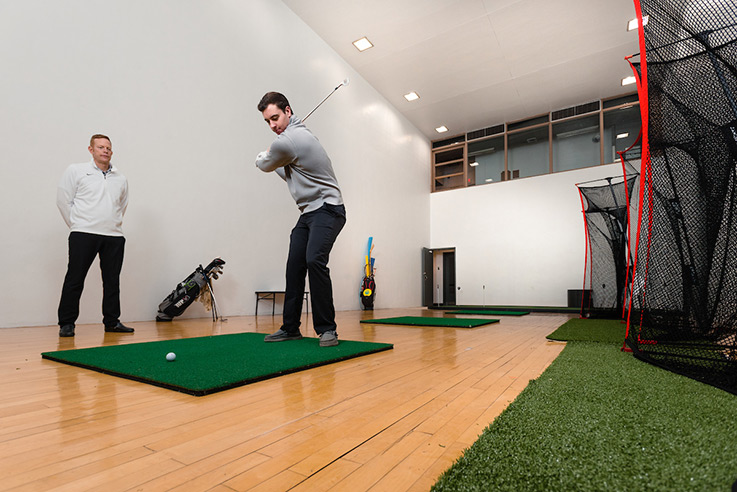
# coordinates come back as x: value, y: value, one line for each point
x: 282, y: 336
x: 119, y: 328
x: 66, y: 331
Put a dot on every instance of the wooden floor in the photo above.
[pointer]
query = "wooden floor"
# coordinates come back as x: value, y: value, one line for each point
x: 391, y: 421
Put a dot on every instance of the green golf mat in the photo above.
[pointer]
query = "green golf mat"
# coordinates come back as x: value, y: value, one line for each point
x: 207, y: 365
x: 487, y: 312
x: 533, y: 309
x: 422, y: 321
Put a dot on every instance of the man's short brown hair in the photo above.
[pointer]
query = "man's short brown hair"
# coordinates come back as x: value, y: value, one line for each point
x: 273, y: 98
x: 96, y: 136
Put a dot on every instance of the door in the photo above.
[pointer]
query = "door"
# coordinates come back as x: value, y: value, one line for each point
x: 438, y: 277
x: 427, y: 277
x: 449, y: 278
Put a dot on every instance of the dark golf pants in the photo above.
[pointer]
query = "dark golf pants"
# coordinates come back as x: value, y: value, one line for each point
x: 310, y: 244
x: 83, y: 248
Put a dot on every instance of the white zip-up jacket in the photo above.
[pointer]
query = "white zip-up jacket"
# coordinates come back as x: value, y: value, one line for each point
x: 92, y: 201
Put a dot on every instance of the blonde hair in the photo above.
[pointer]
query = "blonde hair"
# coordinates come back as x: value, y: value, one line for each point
x: 96, y: 136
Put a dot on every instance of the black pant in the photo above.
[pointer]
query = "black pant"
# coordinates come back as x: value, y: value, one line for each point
x: 83, y: 248
x: 309, y: 251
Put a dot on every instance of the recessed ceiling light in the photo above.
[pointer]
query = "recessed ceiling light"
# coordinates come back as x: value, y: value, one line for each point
x: 623, y: 135
x: 362, y: 44
x: 441, y: 129
x: 412, y: 96
x: 633, y: 24
x: 629, y: 80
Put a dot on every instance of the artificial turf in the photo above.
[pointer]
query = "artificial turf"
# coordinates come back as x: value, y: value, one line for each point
x: 205, y: 365
x: 431, y: 321
x: 600, y: 420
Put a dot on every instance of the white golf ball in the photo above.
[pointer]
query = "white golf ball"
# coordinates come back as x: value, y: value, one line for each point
x: 171, y: 356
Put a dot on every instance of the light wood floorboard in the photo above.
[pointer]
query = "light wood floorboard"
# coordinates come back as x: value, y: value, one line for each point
x: 391, y: 421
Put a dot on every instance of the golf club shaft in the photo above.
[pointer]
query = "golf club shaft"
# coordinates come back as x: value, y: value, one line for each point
x: 326, y: 98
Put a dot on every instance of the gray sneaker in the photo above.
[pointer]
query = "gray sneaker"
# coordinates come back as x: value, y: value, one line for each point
x: 328, y: 339
x: 282, y: 336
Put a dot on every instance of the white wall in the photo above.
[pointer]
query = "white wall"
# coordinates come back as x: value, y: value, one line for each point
x: 175, y: 84
x: 523, y: 240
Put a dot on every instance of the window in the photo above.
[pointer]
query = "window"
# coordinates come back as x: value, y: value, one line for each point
x: 586, y: 135
x: 485, y: 161
x: 621, y: 129
x: 576, y: 143
x: 529, y: 153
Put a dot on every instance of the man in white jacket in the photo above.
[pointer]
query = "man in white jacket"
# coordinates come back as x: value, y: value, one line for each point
x: 92, y: 198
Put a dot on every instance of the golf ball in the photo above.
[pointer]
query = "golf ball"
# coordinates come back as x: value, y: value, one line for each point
x: 171, y: 356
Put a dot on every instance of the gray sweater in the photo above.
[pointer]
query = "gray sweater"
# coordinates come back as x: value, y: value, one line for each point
x: 297, y: 156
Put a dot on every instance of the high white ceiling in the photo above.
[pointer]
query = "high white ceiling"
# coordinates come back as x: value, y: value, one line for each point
x: 477, y: 63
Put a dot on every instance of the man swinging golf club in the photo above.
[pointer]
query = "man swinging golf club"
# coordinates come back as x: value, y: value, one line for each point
x: 298, y: 158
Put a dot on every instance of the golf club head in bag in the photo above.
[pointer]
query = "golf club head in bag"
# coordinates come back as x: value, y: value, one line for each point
x: 186, y: 292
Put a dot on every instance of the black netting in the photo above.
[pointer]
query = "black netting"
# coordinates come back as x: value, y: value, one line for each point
x: 606, y: 205
x: 684, y: 302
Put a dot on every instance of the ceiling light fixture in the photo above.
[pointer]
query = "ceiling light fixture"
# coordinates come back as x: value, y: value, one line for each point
x: 362, y: 44
x: 633, y: 24
x: 629, y: 80
x: 412, y: 96
x: 473, y: 163
x: 623, y: 135
x: 441, y: 129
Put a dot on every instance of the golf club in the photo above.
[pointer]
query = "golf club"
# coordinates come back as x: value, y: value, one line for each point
x: 345, y: 82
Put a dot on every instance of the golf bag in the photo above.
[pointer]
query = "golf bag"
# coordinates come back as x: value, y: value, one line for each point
x: 368, y: 291
x: 368, y: 286
x: 189, y: 290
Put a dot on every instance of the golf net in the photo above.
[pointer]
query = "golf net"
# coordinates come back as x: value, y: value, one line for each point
x: 683, y: 313
x: 607, y: 207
